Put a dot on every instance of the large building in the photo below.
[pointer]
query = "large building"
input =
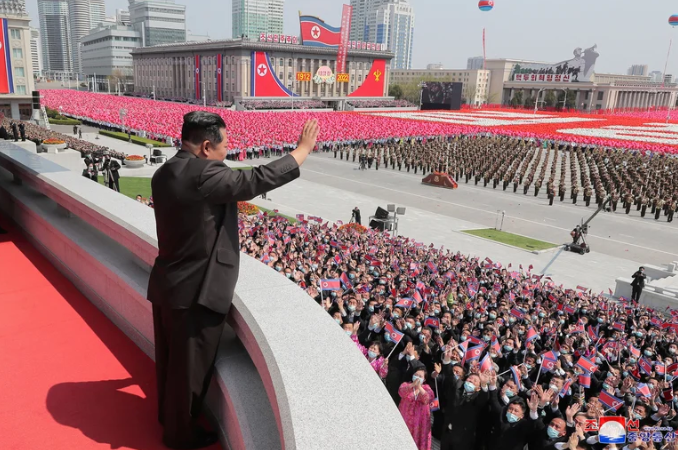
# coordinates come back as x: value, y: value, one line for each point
x: 158, y: 21
x: 250, y: 18
x: 36, y: 52
x: 638, y: 69
x: 84, y: 16
x: 55, y: 38
x: 656, y: 76
x: 122, y: 17
x: 475, y: 63
x: 107, y: 56
x: 512, y: 80
x: 475, y: 83
x: 389, y: 22
x: 16, y: 77
x: 242, y: 69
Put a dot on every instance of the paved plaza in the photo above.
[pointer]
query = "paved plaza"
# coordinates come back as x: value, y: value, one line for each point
x: 331, y: 188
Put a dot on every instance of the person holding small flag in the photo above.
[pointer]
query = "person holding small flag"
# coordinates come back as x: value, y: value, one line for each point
x: 414, y: 407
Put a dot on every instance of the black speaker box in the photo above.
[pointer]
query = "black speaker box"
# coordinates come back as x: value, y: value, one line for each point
x: 381, y: 213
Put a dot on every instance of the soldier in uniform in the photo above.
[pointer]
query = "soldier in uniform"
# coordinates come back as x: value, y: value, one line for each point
x: 537, y: 186
x: 628, y: 200
x: 659, y: 204
x: 561, y: 191
x: 551, y: 191
x: 672, y: 209
x: 588, y: 193
x: 643, y: 205
x: 575, y: 194
x: 615, y: 200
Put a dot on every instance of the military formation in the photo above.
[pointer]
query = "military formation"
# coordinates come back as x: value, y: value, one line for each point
x: 634, y: 181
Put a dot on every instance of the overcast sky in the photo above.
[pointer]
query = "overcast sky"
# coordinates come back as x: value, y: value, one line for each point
x: 449, y: 31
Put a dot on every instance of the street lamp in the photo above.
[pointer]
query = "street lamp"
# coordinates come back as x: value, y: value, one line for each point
x: 394, y: 221
x: 536, y: 101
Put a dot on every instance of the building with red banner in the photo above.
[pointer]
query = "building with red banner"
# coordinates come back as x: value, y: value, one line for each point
x: 240, y: 69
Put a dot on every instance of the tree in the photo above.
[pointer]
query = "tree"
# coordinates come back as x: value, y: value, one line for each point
x: 517, y: 99
x: 570, y: 102
x: 530, y: 101
x: 549, y: 99
x: 395, y: 91
x: 470, y: 92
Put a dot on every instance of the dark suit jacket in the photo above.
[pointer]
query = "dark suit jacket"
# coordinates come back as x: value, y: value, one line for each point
x: 638, y: 279
x: 196, y: 213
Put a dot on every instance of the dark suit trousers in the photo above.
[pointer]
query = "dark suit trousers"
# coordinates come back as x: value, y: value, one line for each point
x: 186, y: 342
x: 635, y: 293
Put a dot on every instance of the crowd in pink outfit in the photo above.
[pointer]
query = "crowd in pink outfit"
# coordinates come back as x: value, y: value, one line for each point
x: 258, y: 129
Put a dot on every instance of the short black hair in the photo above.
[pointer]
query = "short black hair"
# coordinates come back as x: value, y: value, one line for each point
x: 200, y: 126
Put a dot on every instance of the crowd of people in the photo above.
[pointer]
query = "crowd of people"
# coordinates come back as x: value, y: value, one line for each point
x: 39, y: 134
x: 634, y: 181
x: 381, y: 104
x: 478, y: 355
x: 253, y: 105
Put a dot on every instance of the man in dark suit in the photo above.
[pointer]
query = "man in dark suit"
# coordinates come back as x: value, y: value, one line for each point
x: 192, y: 282
x: 638, y: 284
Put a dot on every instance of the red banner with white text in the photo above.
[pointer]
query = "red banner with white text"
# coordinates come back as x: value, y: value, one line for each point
x: 343, y: 44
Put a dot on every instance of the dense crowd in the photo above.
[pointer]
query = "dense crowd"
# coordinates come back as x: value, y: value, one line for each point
x: 633, y: 180
x: 38, y: 134
x: 252, y: 105
x: 381, y: 104
x: 479, y: 355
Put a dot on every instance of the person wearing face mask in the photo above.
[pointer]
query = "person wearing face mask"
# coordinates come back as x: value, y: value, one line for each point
x: 373, y: 354
x: 464, y: 404
x: 415, y: 410
x: 546, y: 437
x: 512, y: 424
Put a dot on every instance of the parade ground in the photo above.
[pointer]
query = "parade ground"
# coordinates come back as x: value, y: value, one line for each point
x: 331, y: 188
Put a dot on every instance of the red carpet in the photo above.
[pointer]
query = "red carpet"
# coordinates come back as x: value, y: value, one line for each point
x: 70, y: 379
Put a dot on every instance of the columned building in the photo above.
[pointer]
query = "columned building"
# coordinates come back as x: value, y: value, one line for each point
x: 599, y: 91
x: 304, y: 72
x: 15, y: 94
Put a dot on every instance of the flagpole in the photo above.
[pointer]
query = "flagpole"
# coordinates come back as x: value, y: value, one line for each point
x: 521, y: 364
x: 322, y: 299
x: 539, y: 374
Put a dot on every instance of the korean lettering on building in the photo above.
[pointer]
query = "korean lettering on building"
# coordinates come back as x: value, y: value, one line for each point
x: 542, y: 78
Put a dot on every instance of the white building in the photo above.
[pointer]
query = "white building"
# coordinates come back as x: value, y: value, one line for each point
x: 475, y: 83
x: 434, y: 66
x: 122, y: 17
x: 16, y: 101
x: 656, y: 76
x: 591, y: 92
x: 107, y: 56
x: 252, y: 17
x: 391, y: 22
x: 194, y: 37
x: 638, y: 69
x: 84, y: 15
x: 55, y: 38
x: 475, y: 63
x: 158, y: 21
x: 36, y: 52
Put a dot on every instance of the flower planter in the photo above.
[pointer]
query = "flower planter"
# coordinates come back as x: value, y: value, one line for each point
x: 54, y: 148
x: 441, y: 180
x: 134, y: 164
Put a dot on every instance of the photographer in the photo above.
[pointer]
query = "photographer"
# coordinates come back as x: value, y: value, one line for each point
x: 355, y: 216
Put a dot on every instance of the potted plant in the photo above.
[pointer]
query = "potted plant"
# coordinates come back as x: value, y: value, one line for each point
x: 134, y: 161
x: 53, y: 145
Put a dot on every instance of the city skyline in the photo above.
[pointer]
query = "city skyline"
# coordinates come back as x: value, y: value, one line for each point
x: 451, y: 33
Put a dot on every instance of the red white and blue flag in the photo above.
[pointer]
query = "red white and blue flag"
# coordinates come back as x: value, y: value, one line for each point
x: 610, y: 401
x: 517, y: 313
x: 265, y: 82
x: 486, y: 364
x: 516, y: 377
x: 198, y: 69
x: 585, y: 379
x: 434, y: 405
x: 531, y: 335
x: 635, y: 352
x: 433, y: 322
x: 473, y: 353
x: 330, y: 285
x: 645, y: 366
x: 344, y: 279
x: 566, y: 388
x: 395, y: 335
x: 317, y: 33
x: 586, y: 365
x: 643, y: 390
x: 220, y: 77
x: 406, y: 303
x: 6, y: 77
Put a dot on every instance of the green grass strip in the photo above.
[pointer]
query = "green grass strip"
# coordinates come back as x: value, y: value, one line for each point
x: 514, y: 240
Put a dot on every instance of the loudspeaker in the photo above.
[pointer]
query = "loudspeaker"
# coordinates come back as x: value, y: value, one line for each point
x: 381, y: 213
x: 36, y: 99
x: 157, y: 152
x: 376, y: 225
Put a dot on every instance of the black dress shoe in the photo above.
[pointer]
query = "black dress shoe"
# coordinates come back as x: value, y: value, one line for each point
x: 202, y: 439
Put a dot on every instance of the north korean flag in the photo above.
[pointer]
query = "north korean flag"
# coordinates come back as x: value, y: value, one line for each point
x: 433, y: 322
x: 551, y: 355
x: 618, y: 326
x: 486, y: 364
x: 547, y: 365
x: 345, y: 281
x: 420, y: 286
x: 417, y: 297
x: 610, y: 401
x: 434, y: 405
x: 473, y: 353
x: 330, y: 285
x: 395, y: 335
x: 667, y: 394
x: 570, y: 309
x: 643, y: 390
x: 585, y: 379
x: 337, y: 259
x: 660, y: 368
x: 495, y: 344
x: 406, y: 303
x: 566, y: 388
x: 517, y: 313
x: 645, y: 365
x: 516, y: 377
x: 431, y: 267
x: 592, y: 332
x: 317, y: 33
x: 586, y: 365
x: 635, y: 352
x: 531, y: 335
x: 672, y: 369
